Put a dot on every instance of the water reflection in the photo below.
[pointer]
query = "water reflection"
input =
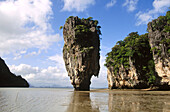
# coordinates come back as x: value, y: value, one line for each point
x: 81, y: 102
x: 129, y: 101
x: 60, y: 100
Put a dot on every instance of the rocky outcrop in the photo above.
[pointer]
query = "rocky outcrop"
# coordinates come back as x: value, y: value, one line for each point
x: 8, y: 79
x: 81, y: 50
x: 126, y: 78
x: 130, y: 63
x: 159, y: 39
x: 142, y: 61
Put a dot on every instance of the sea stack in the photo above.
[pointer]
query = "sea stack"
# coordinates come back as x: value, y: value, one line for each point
x: 8, y: 79
x: 81, y: 50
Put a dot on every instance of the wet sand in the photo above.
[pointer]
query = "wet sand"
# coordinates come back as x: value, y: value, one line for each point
x: 96, y: 100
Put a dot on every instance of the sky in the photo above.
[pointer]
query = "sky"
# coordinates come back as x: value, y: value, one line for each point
x: 31, y: 42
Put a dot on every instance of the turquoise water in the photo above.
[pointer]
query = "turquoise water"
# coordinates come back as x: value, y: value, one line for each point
x: 66, y: 100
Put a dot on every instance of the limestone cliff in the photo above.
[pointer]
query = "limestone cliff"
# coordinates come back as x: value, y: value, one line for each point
x: 130, y: 63
x: 8, y: 79
x: 81, y: 50
x: 142, y: 61
x: 159, y: 39
x: 126, y: 78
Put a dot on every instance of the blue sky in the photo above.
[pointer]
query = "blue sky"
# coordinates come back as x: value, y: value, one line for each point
x: 31, y: 42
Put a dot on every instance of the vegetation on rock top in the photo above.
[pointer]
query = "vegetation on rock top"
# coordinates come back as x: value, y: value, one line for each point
x: 84, y: 29
x: 135, y: 47
x: 162, y: 23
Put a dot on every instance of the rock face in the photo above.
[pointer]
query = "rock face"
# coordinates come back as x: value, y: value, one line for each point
x: 81, y: 50
x: 159, y: 39
x: 129, y: 78
x: 8, y: 79
x: 130, y: 63
x: 126, y: 78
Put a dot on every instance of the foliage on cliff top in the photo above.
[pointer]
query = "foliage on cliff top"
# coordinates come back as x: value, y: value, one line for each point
x: 161, y: 23
x: 83, y: 25
x: 137, y: 48
x: 85, y: 31
x: 86, y: 24
x: 167, y: 26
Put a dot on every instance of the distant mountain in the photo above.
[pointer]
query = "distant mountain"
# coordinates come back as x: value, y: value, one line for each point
x: 53, y: 86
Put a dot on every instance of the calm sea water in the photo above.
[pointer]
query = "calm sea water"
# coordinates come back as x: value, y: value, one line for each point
x: 66, y: 100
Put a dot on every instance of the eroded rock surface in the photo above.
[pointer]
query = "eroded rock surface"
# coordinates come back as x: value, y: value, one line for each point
x: 130, y: 63
x: 159, y: 39
x: 8, y: 79
x: 125, y: 78
x: 81, y: 50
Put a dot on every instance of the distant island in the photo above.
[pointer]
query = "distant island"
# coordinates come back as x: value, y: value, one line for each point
x: 8, y: 79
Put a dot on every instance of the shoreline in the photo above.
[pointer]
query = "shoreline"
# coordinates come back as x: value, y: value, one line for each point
x: 91, y: 90
x: 109, y: 90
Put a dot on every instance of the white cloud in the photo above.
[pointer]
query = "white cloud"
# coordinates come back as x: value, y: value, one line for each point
x: 54, y: 76
x: 57, y: 58
x: 99, y: 82
x: 159, y: 6
x: 18, y: 55
x: 25, y: 24
x: 143, y: 18
x: 23, y: 52
x: 38, y: 77
x: 24, y: 69
x: 77, y: 5
x: 130, y: 4
x: 51, y: 76
x: 111, y: 3
x: 29, y: 76
x: 33, y: 53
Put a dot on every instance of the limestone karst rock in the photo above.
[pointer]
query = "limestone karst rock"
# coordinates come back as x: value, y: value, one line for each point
x: 130, y: 63
x: 159, y: 39
x: 81, y: 50
x: 8, y: 79
x: 142, y: 61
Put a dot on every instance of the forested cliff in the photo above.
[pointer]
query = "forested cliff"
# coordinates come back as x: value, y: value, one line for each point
x: 142, y: 61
